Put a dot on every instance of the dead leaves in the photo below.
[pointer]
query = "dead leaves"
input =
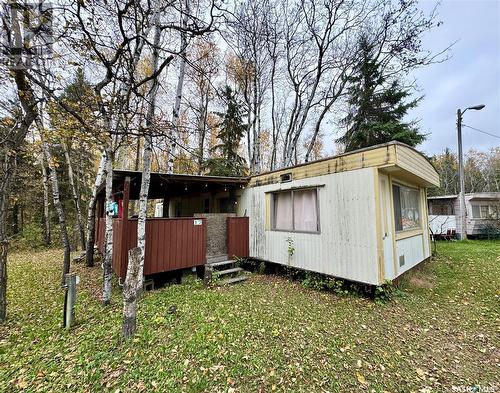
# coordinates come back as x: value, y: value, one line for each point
x: 361, y: 379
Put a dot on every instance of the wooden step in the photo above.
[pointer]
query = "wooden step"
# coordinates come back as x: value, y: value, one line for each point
x: 217, y: 258
x: 221, y: 263
x: 229, y: 271
x: 233, y: 280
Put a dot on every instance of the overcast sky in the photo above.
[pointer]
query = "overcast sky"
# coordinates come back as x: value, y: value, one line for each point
x: 470, y: 77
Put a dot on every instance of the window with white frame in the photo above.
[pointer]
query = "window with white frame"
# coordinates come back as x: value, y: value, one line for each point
x: 483, y: 211
x: 406, y: 208
x: 296, y: 211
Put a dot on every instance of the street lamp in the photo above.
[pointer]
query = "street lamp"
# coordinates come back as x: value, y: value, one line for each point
x: 463, y: 217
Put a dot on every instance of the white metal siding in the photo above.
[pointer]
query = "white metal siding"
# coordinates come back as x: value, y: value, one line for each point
x: 412, y: 250
x: 474, y: 226
x: 441, y: 224
x: 346, y: 246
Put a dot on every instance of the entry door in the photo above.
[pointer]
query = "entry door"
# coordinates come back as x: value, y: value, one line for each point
x: 387, y: 225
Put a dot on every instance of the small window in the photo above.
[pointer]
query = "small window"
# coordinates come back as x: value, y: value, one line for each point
x: 286, y: 177
x: 406, y: 208
x: 296, y: 210
x: 488, y: 212
x: 495, y: 212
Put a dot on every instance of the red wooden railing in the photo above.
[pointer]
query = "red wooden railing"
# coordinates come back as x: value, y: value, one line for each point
x: 237, y: 237
x: 100, y: 232
x: 171, y: 243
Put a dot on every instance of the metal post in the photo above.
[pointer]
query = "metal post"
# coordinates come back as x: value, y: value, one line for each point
x: 71, y: 280
x: 463, y: 212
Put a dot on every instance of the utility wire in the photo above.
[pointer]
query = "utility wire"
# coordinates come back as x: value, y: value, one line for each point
x: 484, y: 132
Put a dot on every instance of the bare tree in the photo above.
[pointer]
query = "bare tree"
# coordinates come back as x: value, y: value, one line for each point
x: 174, y: 131
x: 76, y: 196
x: 202, y: 71
x: 253, y: 66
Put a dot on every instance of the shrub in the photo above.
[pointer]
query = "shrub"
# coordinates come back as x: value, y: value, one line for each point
x: 384, y: 293
x: 31, y: 238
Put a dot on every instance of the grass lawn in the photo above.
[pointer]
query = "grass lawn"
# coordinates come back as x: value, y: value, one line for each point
x: 268, y: 334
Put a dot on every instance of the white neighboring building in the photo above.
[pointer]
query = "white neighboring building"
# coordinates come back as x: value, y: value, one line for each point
x: 482, y: 211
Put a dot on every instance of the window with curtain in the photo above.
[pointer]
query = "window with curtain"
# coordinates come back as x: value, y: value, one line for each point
x: 406, y: 208
x: 476, y: 212
x: 485, y: 211
x: 296, y: 210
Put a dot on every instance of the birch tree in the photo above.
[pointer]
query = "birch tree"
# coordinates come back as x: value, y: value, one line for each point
x: 202, y: 71
x: 184, y: 8
x: 46, y: 212
x: 91, y: 210
x: 135, y: 274
x: 57, y: 201
x: 76, y: 196
x: 108, y: 252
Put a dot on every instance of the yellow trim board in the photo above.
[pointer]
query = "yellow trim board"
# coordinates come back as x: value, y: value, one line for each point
x: 394, y: 157
x: 378, y: 228
x: 268, y: 212
x: 407, y: 234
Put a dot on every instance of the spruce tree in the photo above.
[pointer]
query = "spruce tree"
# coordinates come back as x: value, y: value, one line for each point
x: 225, y: 160
x: 377, y: 106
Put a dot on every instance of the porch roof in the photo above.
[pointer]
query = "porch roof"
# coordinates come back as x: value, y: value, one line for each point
x: 169, y: 185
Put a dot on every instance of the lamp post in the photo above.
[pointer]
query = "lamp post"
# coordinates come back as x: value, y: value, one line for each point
x: 463, y: 213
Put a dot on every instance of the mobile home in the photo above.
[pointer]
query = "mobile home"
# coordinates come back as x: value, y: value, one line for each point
x: 361, y: 216
x: 482, y: 210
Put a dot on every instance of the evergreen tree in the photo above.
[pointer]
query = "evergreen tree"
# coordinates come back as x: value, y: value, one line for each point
x: 377, y: 106
x: 225, y: 160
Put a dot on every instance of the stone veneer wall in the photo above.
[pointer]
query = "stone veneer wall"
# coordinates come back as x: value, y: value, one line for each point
x: 216, y: 232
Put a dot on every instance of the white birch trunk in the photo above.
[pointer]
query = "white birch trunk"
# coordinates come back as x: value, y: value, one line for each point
x: 130, y: 294
x: 174, y: 132
x: 57, y: 203
x: 46, y: 213
x: 76, y: 197
x: 134, y: 280
x: 146, y: 159
x: 89, y: 253
x: 143, y: 204
x: 108, y: 253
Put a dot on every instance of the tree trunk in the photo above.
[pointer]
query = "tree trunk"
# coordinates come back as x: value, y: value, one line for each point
x: 255, y: 163
x: 317, y: 127
x: 76, y: 197
x: 274, y: 147
x: 46, y: 213
x: 137, y: 153
x: 57, y: 204
x: 202, y: 129
x: 174, y: 131
x: 89, y: 252
x: 9, y: 152
x: 146, y: 158
x: 7, y: 175
x: 108, y: 250
x: 143, y: 204
x: 130, y: 292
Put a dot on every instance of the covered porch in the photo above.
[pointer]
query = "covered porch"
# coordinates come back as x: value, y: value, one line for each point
x: 190, y: 218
